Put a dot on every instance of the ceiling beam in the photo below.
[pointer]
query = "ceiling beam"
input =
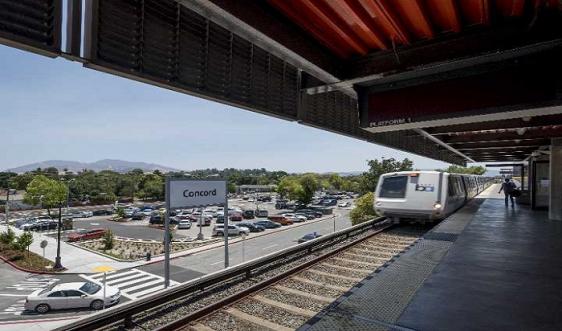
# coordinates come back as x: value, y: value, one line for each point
x: 490, y: 137
x: 442, y: 144
x: 473, y: 42
x: 503, y: 124
x: 259, y: 23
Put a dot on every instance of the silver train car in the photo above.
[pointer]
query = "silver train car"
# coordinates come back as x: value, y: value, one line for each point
x: 425, y: 196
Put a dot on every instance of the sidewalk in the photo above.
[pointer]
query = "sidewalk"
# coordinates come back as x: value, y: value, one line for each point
x: 74, y: 259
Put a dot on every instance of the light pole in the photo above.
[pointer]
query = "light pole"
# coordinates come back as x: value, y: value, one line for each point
x: 7, y: 208
x: 200, y: 235
x: 334, y: 218
x: 58, y: 264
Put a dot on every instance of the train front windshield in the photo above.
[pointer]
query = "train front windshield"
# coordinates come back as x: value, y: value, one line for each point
x: 394, y: 187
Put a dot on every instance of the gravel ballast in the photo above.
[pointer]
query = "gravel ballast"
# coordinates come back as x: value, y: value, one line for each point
x: 271, y: 313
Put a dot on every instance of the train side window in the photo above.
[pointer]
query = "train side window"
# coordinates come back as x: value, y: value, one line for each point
x: 394, y: 187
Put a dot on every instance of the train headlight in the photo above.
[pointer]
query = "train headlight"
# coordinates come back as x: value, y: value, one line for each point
x: 437, y: 205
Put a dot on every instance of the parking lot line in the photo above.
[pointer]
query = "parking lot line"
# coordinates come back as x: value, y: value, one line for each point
x: 215, y: 263
x: 12, y: 295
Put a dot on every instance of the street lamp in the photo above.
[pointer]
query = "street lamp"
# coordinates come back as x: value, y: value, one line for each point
x: 58, y: 264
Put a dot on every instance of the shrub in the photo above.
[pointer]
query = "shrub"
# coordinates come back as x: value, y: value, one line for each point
x: 23, y: 242
x: 120, y: 212
x: 8, y: 237
x: 363, y: 210
x: 108, y: 240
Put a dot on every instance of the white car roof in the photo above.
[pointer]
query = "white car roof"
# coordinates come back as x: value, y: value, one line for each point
x: 68, y: 286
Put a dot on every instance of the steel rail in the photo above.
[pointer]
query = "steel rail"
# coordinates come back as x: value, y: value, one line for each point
x: 182, y: 322
x: 124, y: 313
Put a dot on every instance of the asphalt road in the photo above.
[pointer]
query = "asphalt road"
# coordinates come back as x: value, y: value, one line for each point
x: 192, y: 266
x: 146, y: 280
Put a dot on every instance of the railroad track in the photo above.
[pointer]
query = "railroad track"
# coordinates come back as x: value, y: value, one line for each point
x: 323, y: 268
x: 290, y: 299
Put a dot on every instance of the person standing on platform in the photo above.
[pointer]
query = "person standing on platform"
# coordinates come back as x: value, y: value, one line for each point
x: 508, y: 187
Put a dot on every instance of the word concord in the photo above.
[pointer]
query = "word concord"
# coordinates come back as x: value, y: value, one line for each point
x: 193, y: 194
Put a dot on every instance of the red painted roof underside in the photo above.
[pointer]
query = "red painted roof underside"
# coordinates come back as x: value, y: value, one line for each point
x: 358, y: 27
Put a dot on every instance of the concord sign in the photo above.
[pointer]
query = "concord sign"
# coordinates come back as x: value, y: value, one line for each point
x: 188, y: 193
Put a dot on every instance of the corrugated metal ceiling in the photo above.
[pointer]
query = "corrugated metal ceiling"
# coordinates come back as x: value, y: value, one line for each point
x: 358, y: 27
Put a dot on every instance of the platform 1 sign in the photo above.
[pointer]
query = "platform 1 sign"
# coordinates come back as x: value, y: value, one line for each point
x: 187, y: 193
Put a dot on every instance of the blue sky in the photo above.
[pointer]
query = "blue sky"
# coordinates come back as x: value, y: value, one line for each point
x: 56, y: 109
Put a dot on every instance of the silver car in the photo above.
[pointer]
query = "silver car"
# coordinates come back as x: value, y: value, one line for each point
x: 72, y: 295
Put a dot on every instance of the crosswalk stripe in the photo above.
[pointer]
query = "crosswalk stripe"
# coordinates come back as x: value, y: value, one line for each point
x: 132, y: 289
x: 115, y: 275
x: 124, y: 286
x: 149, y: 291
x: 119, y: 280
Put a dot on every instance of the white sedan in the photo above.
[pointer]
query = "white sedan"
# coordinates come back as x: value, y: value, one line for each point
x: 72, y: 295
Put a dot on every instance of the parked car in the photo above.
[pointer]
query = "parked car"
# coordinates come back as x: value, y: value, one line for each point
x: 294, y: 218
x: 204, y: 221
x: 147, y: 211
x: 138, y: 216
x: 235, y: 217
x: 72, y: 295
x: 309, y: 236
x: 156, y: 218
x: 280, y: 219
x: 81, y: 214
x: 102, y: 212
x: 281, y: 204
x: 220, y: 218
x: 86, y: 234
x: 329, y: 202
x: 344, y: 204
x: 252, y: 227
x: 305, y: 215
x: 267, y: 224
x: 218, y: 230
x: 261, y: 213
x: 44, y: 224
x: 248, y: 214
x: 184, y: 224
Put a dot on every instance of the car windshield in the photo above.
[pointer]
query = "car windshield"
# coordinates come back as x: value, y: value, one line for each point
x: 90, y: 288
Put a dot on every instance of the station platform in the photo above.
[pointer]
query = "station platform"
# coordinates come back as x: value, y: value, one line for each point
x: 486, y: 267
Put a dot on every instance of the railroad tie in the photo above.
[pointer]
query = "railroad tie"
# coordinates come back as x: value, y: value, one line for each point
x: 371, y: 256
x: 200, y: 327
x: 256, y: 320
x: 322, y: 273
x: 284, y: 306
x: 363, y: 271
x: 315, y: 283
x: 305, y: 294
x: 367, y: 264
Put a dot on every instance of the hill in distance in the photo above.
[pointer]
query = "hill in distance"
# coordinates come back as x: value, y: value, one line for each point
x: 107, y: 164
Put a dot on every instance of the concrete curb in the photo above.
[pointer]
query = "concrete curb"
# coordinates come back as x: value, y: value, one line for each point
x: 236, y: 240
x: 15, y: 266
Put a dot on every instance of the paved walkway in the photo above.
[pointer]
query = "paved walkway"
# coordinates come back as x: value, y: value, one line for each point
x: 487, y: 267
x: 74, y: 259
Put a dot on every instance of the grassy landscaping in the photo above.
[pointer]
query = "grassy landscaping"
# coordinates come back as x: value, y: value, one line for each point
x: 134, y: 250
x: 26, y: 260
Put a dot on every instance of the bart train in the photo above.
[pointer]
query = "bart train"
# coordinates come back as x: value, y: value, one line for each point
x: 423, y: 196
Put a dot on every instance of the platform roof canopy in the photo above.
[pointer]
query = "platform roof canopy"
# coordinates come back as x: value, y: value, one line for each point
x: 454, y: 80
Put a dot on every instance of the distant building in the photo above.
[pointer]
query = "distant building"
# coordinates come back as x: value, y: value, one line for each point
x: 255, y: 188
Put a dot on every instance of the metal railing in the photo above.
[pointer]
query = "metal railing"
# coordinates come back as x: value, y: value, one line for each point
x: 124, y: 313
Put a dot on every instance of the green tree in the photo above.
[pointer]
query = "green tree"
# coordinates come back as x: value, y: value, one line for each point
x: 308, y: 185
x: 287, y: 187
x: 377, y: 168
x: 473, y: 170
x: 48, y: 192
x: 7, y: 237
x: 336, y: 182
x: 231, y: 187
x: 20, y: 182
x: 6, y: 179
x: 363, y: 210
x: 23, y: 242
